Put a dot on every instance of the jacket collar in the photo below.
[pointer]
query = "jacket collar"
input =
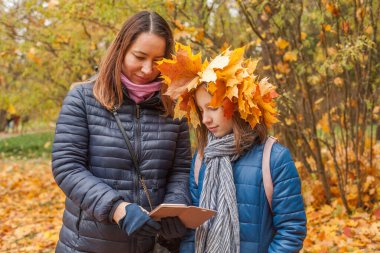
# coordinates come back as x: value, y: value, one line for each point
x: 154, y: 102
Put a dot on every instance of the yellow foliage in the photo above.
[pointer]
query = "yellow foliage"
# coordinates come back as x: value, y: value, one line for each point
x: 369, y: 30
x: 266, y: 67
x: 314, y: 79
x: 290, y: 56
x: 283, y: 67
x: 281, y: 43
x: 303, y: 36
x: 331, y: 51
x: 324, y: 124
x: 327, y: 28
x: 31, y: 207
x: 11, y: 109
x: 338, y: 81
x: 332, y: 8
x: 330, y: 228
x: 31, y: 55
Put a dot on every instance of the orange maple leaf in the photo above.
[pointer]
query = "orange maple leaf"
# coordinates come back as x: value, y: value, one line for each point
x: 228, y: 108
x: 186, y: 107
x: 219, y: 94
x: 180, y: 73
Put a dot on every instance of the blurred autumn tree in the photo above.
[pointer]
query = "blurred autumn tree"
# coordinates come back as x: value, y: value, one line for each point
x: 47, y: 45
x: 322, y: 55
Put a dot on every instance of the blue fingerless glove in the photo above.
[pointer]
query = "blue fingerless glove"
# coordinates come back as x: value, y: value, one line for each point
x: 138, y: 223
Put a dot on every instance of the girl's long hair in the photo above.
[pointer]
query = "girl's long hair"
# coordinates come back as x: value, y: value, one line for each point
x: 108, y: 88
x: 239, y: 127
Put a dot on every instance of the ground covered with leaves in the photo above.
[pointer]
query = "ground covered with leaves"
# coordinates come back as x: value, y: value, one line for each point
x: 31, y: 207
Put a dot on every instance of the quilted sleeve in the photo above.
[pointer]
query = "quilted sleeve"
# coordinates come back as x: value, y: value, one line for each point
x: 289, y: 218
x: 70, y: 159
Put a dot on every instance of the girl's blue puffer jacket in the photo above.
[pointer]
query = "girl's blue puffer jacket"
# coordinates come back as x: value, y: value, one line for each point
x: 261, y: 230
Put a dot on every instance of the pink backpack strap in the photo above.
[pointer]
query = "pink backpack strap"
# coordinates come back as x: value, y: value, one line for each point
x: 267, y: 177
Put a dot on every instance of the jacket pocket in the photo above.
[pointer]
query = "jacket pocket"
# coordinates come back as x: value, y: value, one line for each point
x: 79, y: 221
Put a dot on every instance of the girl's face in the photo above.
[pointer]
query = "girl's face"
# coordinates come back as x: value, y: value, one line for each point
x: 212, y: 118
x: 139, y: 61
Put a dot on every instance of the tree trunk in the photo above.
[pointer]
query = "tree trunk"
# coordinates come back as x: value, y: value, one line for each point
x: 3, y: 119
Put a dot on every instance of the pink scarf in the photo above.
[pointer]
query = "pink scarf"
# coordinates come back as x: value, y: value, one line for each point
x: 140, y: 92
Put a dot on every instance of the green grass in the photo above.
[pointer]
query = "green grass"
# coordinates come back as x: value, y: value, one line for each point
x: 27, y: 146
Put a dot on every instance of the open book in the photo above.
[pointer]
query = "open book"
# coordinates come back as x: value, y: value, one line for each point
x: 191, y: 216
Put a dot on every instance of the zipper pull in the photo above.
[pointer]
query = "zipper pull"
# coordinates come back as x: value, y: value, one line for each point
x: 114, y: 110
x: 138, y: 111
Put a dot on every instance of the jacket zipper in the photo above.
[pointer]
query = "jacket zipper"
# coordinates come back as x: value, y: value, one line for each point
x: 137, y: 148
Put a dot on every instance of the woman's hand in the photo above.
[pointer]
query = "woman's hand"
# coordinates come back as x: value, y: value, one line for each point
x: 136, y: 221
x: 120, y: 211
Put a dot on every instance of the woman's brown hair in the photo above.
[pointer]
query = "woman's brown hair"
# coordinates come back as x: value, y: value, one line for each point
x: 107, y: 88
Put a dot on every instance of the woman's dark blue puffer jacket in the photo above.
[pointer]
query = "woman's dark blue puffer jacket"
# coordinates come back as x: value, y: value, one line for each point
x: 92, y: 165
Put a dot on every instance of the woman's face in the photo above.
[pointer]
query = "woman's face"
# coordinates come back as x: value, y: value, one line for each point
x: 212, y: 118
x: 139, y: 61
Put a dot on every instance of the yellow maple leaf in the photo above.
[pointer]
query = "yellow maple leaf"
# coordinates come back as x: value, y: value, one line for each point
x: 224, y: 66
x: 219, y: 62
x: 303, y: 36
x: 186, y: 107
x: 219, y: 95
x: 324, y: 123
x: 290, y: 56
x: 231, y: 72
x: 265, y: 86
x: 192, y: 113
x: 178, y: 112
x: 211, y: 87
x: 283, y: 67
x: 251, y: 65
x: 232, y: 91
x: 281, y: 43
x: 225, y: 70
x: 327, y: 27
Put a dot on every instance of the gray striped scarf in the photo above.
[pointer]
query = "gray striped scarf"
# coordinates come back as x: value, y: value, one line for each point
x: 221, y: 233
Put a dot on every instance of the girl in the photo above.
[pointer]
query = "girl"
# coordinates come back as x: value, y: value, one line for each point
x: 231, y: 111
x: 110, y: 181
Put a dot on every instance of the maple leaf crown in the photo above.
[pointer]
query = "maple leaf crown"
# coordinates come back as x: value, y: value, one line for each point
x: 229, y: 79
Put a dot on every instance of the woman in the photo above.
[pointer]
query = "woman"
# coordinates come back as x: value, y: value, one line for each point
x: 231, y: 111
x: 109, y: 186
